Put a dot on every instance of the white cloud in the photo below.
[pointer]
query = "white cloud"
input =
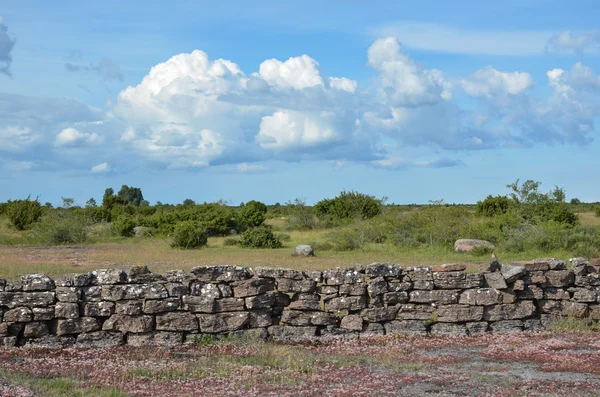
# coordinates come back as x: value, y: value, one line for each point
x: 489, y: 82
x: 70, y: 137
x: 288, y: 130
x: 16, y: 139
x: 405, y: 82
x: 448, y: 39
x: 568, y: 41
x: 298, y: 72
x: 343, y: 84
x: 251, y: 168
x: 101, y: 168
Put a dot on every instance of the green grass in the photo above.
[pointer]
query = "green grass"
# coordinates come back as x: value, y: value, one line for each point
x: 57, y: 387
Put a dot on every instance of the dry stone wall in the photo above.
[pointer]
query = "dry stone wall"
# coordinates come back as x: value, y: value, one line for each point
x: 137, y: 307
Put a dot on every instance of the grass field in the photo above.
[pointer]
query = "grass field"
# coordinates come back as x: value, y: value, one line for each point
x: 17, y: 258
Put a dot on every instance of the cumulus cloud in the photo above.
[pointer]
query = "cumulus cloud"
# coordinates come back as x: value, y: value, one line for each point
x: 6, y: 46
x: 101, y: 168
x: 342, y: 83
x: 298, y: 72
x: 568, y: 41
x: 403, y: 81
x: 16, y: 139
x: 489, y: 82
x: 288, y: 129
x: 70, y: 137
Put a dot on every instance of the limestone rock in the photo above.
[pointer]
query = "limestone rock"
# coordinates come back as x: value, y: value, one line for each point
x: 36, y: 282
x: 176, y: 321
x: 99, y: 339
x: 481, y: 297
x: 459, y: 313
x: 443, y: 297
x: 495, y: 280
x: 222, y: 322
x: 123, y: 323
x: 405, y: 326
x: 255, y: 286
x: 379, y: 269
x: 352, y: 322
x: 457, y: 280
x: 303, y: 250
x: 466, y: 245
x: 108, y: 276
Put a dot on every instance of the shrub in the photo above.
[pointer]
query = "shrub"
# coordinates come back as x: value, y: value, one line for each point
x: 189, y: 235
x: 260, y: 237
x: 64, y: 227
x: 481, y: 251
x: 348, y: 206
x: 597, y: 211
x: 284, y: 237
x: 252, y: 214
x: 299, y: 215
x: 124, y: 226
x: 493, y: 206
x: 347, y: 239
x: 24, y: 213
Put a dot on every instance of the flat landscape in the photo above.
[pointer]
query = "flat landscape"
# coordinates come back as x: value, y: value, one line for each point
x: 560, y: 363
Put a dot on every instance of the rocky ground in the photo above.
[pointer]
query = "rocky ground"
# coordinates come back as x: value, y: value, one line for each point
x: 516, y: 364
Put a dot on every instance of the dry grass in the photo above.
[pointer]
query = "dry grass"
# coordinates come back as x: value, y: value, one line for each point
x: 589, y: 219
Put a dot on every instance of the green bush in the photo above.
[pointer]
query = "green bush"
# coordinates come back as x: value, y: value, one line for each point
x: 123, y: 226
x: 62, y: 227
x: 597, y: 211
x: 22, y: 214
x: 299, y: 215
x: 493, y: 206
x: 189, y: 235
x: 348, y: 206
x: 252, y: 214
x: 348, y: 239
x: 260, y: 237
x: 480, y: 251
x: 284, y: 237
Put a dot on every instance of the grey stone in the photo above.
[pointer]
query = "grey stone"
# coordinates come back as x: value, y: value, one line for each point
x: 123, y: 323
x: 43, y: 313
x: 477, y: 327
x: 489, y: 267
x: 457, y: 280
x: 290, y: 333
x: 179, y: 276
x: 49, y: 342
x: 29, y: 299
x: 533, y: 325
x: 375, y: 315
x: 327, y: 289
x: 66, y: 310
x: 261, y: 301
x: 35, y: 329
x: 19, y: 314
x: 377, y: 286
x: 153, y: 306
x: 398, y: 286
x: 372, y: 329
x: 303, y: 318
x: 343, y: 303
x: 514, y: 311
x: 379, y: 269
x: 459, y: 313
x: 443, y: 297
x: 36, y: 282
x: 68, y: 294
x: 226, y: 273
x: 448, y: 329
x: 560, y: 278
x: 176, y: 289
x: 279, y: 273
x: 352, y: 289
x: 531, y: 292
x: 393, y: 298
x: 108, y: 276
x: 134, y: 291
x: 98, y: 309
x: 512, y: 273
x: 255, y: 286
x: 421, y: 278
x: 481, y: 296
x: 405, y: 326
x: 495, y: 280
x: 305, y: 302
x: 415, y: 312
x: 303, y: 250
x: 129, y: 308
x: 563, y: 308
x: 584, y: 294
x: 99, y: 339
x: 139, y: 274
x: 223, y: 322
x: 467, y: 244
x: 198, y: 304
x: 74, y: 280
x: 260, y: 319
x: 76, y: 325
x: 206, y: 290
x: 506, y: 326
x: 176, y: 321
x: 229, y: 304
x: 225, y: 290
x: 341, y: 276
x: 288, y: 285
x: 556, y: 293
x: 92, y: 293
x: 352, y: 322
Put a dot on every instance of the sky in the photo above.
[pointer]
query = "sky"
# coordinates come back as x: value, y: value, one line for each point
x: 278, y: 100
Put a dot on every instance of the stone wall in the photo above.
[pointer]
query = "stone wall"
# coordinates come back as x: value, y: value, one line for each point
x: 111, y: 307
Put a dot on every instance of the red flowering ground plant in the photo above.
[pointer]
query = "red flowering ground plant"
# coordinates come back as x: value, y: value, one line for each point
x: 523, y: 364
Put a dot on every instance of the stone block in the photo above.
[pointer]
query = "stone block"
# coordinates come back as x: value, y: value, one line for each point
x: 346, y: 303
x: 288, y: 285
x: 27, y: 299
x: 129, y: 308
x: 98, y: 309
x: 352, y: 322
x: 457, y: 280
x: 310, y: 302
x: 459, y: 313
x: 481, y: 297
x: 255, y: 286
x: 442, y: 297
x: 380, y: 269
x: 290, y: 333
x: 35, y: 329
x: 377, y: 286
x: 19, y: 314
x: 393, y: 298
x: 495, y: 280
x: 68, y: 294
x: 108, y: 276
x: 66, y: 310
x: 506, y: 326
x: 36, y: 282
x: 223, y: 322
x: 512, y: 273
x: 123, y: 323
x: 405, y: 326
x: 176, y: 321
x: 448, y: 329
x: 225, y: 273
x: 352, y: 289
x: 154, y: 306
x: 513, y: 311
x: 99, y: 339
x: 415, y: 312
x: 79, y: 325
x: 375, y: 315
x: 341, y: 276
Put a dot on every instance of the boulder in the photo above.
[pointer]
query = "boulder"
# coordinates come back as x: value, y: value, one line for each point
x: 303, y: 250
x: 466, y: 245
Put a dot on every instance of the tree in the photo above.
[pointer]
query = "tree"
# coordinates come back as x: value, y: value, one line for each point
x: 300, y: 215
x: 24, y: 213
x: 132, y: 195
x: 575, y: 201
x: 91, y: 203
x: 348, y: 206
x: 252, y: 214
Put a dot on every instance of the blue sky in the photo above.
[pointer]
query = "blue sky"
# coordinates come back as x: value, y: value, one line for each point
x: 277, y: 100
